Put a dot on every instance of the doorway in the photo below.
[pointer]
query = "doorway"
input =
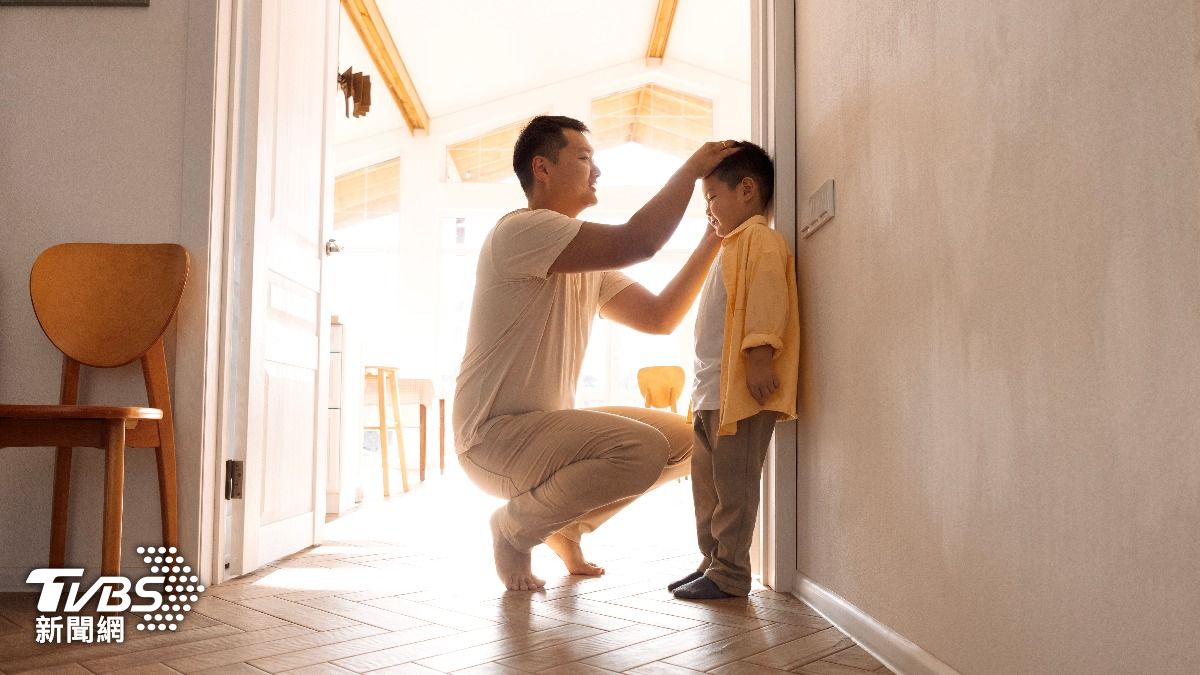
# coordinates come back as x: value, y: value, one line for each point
x: 424, y: 286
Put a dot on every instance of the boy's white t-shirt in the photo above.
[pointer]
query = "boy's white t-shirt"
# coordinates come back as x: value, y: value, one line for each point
x: 710, y: 339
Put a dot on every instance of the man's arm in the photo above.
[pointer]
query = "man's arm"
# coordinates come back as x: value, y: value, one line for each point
x: 608, y: 247
x: 641, y: 310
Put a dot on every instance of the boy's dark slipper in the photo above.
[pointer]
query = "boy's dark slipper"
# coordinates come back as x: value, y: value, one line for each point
x: 686, y: 580
x: 700, y: 589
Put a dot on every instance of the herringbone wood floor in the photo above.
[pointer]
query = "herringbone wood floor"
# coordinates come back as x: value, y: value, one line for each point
x: 406, y: 586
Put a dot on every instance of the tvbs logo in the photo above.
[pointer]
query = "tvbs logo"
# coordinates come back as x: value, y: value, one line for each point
x: 162, y: 598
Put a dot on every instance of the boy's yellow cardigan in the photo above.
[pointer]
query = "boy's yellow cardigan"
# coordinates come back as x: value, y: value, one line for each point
x: 761, y: 309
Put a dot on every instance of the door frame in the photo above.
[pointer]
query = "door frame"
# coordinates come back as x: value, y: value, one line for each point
x: 235, y: 62
x: 232, y: 167
x: 197, y: 356
x: 200, y: 377
x: 773, y: 114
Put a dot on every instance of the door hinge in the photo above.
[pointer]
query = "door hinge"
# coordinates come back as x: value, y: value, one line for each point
x: 234, y: 469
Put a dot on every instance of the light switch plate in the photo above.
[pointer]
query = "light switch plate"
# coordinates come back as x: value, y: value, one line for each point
x: 819, y: 209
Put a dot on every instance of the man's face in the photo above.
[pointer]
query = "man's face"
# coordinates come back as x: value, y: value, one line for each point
x: 573, y: 176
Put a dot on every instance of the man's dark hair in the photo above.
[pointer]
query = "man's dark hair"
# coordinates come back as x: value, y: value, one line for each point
x: 750, y: 160
x: 542, y: 136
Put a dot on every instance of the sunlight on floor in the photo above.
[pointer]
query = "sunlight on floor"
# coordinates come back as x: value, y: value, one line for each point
x: 445, y: 517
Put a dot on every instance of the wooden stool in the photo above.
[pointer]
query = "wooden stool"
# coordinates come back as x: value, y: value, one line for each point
x: 403, y: 391
x: 383, y: 379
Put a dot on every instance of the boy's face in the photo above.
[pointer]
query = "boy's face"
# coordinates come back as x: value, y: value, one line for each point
x: 729, y: 205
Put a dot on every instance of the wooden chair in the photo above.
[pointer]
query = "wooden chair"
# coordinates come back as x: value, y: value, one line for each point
x: 661, y: 387
x: 104, y: 305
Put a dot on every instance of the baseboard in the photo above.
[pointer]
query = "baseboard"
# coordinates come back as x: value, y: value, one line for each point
x: 890, y: 648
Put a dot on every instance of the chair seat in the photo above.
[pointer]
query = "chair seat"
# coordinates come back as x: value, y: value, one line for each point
x: 78, y: 412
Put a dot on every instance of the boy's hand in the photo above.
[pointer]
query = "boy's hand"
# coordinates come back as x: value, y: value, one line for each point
x: 760, y: 377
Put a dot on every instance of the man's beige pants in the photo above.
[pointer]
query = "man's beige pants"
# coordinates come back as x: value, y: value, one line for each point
x: 568, y: 471
x: 726, y: 471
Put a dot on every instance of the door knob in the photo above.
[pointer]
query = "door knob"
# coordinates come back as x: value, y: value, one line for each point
x: 332, y: 247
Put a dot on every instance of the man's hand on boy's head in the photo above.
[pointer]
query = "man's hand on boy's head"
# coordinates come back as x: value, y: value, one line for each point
x: 704, y: 160
x: 760, y: 376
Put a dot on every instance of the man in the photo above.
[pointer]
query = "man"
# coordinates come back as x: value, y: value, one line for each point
x: 542, y: 277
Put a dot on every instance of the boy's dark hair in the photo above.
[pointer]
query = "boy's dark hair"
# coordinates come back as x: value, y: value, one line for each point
x: 752, y: 161
x: 542, y: 136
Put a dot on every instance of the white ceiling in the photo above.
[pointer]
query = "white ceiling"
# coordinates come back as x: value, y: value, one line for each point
x: 464, y: 53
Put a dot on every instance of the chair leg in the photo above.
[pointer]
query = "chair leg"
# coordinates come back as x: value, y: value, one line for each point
x: 60, y: 513
x: 167, y: 496
x: 399, y: 429
x: 114, y: 488
x: 381, y: 400
x: 422, y: 473
x: 154, y: 371
x: 442, y: 435
x: 62, y: 507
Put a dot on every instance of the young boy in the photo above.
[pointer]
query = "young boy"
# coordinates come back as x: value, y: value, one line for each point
x: 747, y: 361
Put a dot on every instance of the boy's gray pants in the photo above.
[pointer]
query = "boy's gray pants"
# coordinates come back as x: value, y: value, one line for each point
x: 726, y: 472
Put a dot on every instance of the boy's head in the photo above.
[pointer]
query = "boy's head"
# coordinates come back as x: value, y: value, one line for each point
x: 740, y: 187
x: 544, y: 136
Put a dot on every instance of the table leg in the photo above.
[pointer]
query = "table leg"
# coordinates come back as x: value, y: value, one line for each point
x: 423, y: 415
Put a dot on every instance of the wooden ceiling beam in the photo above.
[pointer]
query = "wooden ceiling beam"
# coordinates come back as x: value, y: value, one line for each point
x: 662, y: 29
x: 376, y: 37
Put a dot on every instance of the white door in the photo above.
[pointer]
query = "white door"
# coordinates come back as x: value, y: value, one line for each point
x: 278, y: 336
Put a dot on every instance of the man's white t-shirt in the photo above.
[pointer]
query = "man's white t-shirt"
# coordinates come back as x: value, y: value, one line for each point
x: 528, y: 329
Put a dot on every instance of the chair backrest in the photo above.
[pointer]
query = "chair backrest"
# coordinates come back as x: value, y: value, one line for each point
x: 105, y: 305
x: 660, y: 385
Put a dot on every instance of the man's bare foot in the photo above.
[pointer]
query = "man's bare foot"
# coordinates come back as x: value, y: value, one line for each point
x: 512, y: 566
x: 572, y: 556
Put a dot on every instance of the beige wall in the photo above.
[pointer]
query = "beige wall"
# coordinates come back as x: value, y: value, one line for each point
x: 1000, y: 453
x: 104, y: 128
